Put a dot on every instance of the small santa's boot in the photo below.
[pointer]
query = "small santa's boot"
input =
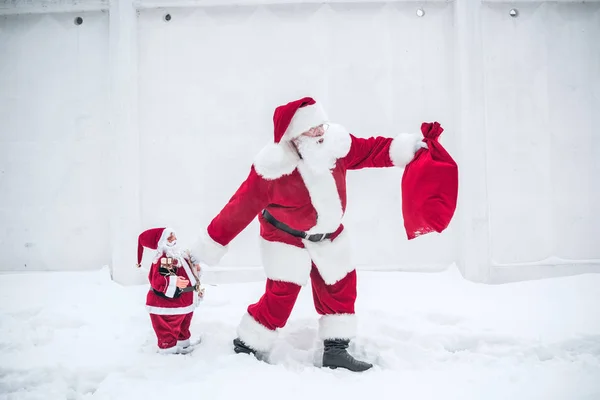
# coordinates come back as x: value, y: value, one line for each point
x: 241, y: 347
x: 169, y: 350
x: 335, y: 355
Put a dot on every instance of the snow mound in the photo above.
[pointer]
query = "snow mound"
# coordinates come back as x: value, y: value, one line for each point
x: 431, y: 336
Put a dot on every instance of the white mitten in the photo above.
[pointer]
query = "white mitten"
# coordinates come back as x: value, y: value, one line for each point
x: 404, y: 146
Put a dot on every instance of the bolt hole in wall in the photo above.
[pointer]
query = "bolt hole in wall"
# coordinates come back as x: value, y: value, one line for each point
x: 78, y: 20
x: 514, y: 12
x: 167, y: 17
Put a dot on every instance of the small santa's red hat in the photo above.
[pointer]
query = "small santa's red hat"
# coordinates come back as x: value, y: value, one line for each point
x: 296, y: 117
x: 151, y: 238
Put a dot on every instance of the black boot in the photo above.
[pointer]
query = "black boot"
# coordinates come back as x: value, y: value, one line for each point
x: 241, y: 347
x: 335, y: 355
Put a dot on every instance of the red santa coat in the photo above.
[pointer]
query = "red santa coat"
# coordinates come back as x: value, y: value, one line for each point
x: 164, y: 298
x: 282, y: 184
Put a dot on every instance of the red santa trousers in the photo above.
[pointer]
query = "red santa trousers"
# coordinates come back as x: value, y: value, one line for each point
x: 335, y: 304
x: 171, y: 328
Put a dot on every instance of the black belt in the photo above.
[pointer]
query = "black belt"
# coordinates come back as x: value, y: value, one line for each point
x: 315, y: 237
x: 178, y: 292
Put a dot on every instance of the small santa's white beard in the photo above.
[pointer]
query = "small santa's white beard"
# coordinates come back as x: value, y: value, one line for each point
x: 174, y: 251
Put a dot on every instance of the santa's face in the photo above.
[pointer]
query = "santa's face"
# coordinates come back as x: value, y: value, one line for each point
x: 316, y: 150
x: 316, y: 132
x: 170, y: 247
x: 172, y: 240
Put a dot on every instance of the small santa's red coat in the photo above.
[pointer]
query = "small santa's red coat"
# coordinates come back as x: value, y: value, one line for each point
x: 164, y: 298
x: 281, y: 183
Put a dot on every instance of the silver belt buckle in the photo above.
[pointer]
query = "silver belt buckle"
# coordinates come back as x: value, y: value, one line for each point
x: 321, y: 237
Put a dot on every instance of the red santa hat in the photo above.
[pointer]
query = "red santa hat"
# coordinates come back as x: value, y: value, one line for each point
x: 151, y: 239
x: 294, y: 118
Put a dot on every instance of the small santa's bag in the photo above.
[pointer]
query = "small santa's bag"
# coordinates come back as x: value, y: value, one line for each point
x: 429, y: 186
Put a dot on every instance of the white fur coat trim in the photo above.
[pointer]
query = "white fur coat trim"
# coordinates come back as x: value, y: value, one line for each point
x: 276, y: 160
x: 172, y: 310
x: 337, y: 326
x: 256, y: 335
x: 284, y: 262
x: 208, y: 251
x: 171, y: 286
x: 333, y: 259
x: 324, y: 197
x: 403, y: 148
x: 279, y: 159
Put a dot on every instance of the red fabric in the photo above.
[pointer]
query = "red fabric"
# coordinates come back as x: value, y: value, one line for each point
x: 287, y: 198
x: 429, y: 186
x: 160, y: 283
x: 171, y: 328
x: 274, y: 307
x: 373, y: 152
x: 283, y: 115
x: 276, y: 304
x: 338, y: 298
x: 149, y: 239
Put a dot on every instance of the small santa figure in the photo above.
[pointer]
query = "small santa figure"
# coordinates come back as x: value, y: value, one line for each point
x: 174, y: 277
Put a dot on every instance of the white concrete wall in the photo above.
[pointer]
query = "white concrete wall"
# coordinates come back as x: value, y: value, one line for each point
x: 98, y: 120
x: 55, y: 141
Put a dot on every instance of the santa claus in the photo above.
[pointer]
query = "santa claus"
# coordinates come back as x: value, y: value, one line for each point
x: 171, y: 300
x: 297, y: 188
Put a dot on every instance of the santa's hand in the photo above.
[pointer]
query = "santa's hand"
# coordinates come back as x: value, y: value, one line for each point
x: 181, y: 282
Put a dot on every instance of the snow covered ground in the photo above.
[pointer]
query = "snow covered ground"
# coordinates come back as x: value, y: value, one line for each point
x: 432, y: 336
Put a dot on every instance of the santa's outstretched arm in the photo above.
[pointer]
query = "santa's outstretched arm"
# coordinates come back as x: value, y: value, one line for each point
x: 247, y: 202
x: 382, y: 152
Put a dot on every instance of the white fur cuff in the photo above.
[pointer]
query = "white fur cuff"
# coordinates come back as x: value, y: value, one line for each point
x: 337, y: 326
x: 208, y: 251
x: 256, y: 335
x: 171, y: 287
x: 285, y: 262
x: 275, y: 160
x: 403, y: 148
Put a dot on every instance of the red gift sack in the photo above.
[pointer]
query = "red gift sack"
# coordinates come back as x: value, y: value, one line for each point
x: 429, y: 186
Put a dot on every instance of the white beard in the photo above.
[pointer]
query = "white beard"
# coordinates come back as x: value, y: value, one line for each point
x: 319, y: 157
x: 171, y: 251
